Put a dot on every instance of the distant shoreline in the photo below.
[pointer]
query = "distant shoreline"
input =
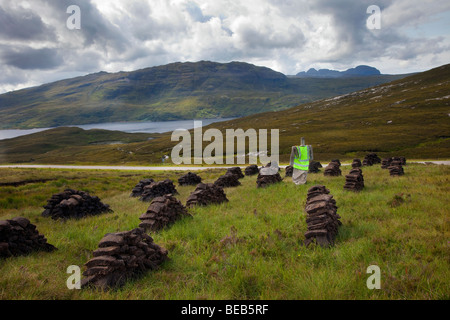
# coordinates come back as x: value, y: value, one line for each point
x: 129, y: 127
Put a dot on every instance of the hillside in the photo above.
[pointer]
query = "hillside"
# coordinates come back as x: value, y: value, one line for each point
x: 25, y: 148
x: 407, y: 117
x: 169, y: 92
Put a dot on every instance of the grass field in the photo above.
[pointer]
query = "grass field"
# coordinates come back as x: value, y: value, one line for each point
x: 249, y: 248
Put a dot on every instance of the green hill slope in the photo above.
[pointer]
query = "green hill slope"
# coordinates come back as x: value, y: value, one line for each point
x: 407, y: 117
x: 169, y: 92
x: 41, y: 144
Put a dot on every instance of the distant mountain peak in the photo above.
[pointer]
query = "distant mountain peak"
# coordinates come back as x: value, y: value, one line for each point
x: 359, y: 71
x: 175, y: 91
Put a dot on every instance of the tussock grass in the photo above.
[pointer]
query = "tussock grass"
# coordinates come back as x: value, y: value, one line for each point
x: 250, y: 247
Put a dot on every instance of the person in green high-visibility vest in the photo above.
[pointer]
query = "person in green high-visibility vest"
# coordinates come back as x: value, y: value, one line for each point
x: 300, y: 158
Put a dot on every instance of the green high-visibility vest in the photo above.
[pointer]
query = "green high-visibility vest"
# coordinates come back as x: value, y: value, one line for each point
x: 302, y: 163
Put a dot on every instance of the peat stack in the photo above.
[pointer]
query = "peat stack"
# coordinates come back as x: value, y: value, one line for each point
x: 139, y: 188
x: 332, y: 170
x: 314, y: 166
x: 354, y: 181
x: 386, y: 163
x: 275, y: 166
x: 251, y: 170
x: 337, y: 162
x: 396, y: 169
x: 315, y: 191
x: 205, y: 194
x: 322, y: 218
x: 237, y: 171
x: 121, y: 256
x: 20, y: 237
x: 73, y: 204
x: 356, y: 163
x: 394, y: 161
x: 162, y: 212
x: 158, y: 189
x: 228, y: 180
x: 370, y: 159
x: 401, y: 160
x: 289, y: 171
x: 189, y: 179
x: 264, y: 180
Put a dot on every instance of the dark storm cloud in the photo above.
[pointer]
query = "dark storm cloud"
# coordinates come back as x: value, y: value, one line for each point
x: 23, y: 24
x: 27, y: 58
x: 348, y: 19
x: 95, y: 28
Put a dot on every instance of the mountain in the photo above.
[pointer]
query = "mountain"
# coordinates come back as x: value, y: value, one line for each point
x: 359, y: 71
x: 362, y: 71
x: 407, y: 117
x: 174, y: 91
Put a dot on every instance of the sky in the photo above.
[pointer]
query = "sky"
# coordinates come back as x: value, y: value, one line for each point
x: 37, y: 46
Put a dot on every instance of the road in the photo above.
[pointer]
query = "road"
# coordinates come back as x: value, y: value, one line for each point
x: 131, y: 168
x: 157, y: 168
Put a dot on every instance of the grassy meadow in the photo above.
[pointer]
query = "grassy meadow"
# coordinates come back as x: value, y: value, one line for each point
x: 249, y: 248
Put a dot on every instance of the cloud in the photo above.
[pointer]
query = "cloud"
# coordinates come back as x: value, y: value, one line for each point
x: 288, y: 36
x: 23, y: 24
x: 254, y: 35
x: 196, y: 12
x: 96, y: 29
x: 27, y: 58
